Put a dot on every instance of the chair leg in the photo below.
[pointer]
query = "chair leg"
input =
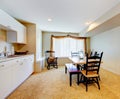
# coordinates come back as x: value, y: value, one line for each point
x: 70, y: 79
x: 56, y: 66
x: 99, y: 77
x: 86, y: 84
x: 98, y: 82
x: 65, y: 69
x: 82, y: 79
x: 48, y: 67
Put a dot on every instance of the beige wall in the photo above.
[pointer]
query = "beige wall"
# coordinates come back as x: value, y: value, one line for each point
x: 38, y: 43
x: 108, y: 42
x: 88, y: 44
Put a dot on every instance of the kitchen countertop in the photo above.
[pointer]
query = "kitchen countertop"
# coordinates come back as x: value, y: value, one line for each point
x: 11, y: 57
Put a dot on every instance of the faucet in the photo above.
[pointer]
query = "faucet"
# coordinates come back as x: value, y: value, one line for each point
x: 5, y: 54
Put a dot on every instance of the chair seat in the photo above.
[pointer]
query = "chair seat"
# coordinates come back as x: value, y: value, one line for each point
x: 89, y: 74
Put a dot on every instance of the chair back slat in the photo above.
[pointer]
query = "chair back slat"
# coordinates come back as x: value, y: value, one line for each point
x: 93, y: 64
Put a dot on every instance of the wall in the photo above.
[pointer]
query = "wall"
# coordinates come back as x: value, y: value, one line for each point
x: 38, y: 43
x: 39, y: 59
x: 108, y: 42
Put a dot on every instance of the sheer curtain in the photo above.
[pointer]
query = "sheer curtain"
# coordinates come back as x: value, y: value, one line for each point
x: 64, y: 46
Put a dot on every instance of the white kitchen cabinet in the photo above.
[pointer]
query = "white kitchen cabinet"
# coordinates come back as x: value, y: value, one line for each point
x: 18, y: 36
x: 30, y: 63
x: 16, y: 74
x: 22, y: 70
x: 5, y: 79
x: 16, y: 32
x: 13, y: 72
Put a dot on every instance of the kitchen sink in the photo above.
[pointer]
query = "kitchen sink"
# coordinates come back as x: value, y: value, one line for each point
x: 12, y: 56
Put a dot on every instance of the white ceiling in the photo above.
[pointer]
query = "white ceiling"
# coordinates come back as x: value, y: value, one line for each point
x: 67, y: 15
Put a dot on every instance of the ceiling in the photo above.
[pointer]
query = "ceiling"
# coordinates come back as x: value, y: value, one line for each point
x: 67, y: 15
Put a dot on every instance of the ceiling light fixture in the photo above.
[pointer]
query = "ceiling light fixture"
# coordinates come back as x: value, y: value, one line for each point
x: 87, y: 23
x: 49, y: 19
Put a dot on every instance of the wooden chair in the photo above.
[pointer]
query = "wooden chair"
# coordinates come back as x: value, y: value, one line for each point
x: 91, y: 72
x: 93, y: 54
x: 72, y: 69
x: 51, y: 59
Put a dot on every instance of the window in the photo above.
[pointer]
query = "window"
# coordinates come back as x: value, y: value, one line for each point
x: 63, y: 46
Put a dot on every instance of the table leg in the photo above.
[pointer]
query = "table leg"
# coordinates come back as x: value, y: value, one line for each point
x: 78, y: 78
x: 70, y: 79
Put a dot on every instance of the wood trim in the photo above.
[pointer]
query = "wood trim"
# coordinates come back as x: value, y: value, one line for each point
x: 51, y: 45
x: 76, y: 37
x: 85, y: 45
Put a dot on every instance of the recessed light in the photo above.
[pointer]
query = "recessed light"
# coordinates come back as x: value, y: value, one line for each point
x: 87, y: 23
x: 49, y: 19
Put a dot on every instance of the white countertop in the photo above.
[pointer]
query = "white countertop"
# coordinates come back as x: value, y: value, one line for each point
x: 12, y: 57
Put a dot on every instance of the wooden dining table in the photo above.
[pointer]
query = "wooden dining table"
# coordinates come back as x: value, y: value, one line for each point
x: 79, y: 61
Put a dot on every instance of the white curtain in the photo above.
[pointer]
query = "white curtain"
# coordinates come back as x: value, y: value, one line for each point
x: 64, y: 46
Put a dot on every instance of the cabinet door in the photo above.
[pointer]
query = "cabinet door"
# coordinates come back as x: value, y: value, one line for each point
x: 7, y: 21
x: 18, y: 36
x: 5, y: 79
x: 17, y: 73
x: 21, y: 34
x: 31, y: 64
x: 27, y: 66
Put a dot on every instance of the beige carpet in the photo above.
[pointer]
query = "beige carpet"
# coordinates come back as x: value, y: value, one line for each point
x: 54, y: 84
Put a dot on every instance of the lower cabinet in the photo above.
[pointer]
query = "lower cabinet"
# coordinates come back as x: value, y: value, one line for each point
x: 13, y: 73
x: 5, y: 79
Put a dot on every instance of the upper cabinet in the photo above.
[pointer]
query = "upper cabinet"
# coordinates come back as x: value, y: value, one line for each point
x: 16, y: 32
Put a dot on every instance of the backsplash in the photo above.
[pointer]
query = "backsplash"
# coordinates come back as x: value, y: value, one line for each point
x: 3, y: 42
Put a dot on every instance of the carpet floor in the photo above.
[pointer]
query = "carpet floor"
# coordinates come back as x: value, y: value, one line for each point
x: 54, y: 84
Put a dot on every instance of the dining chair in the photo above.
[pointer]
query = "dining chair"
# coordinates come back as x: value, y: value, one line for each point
x: 91, y: 72
x: 93, y: 54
